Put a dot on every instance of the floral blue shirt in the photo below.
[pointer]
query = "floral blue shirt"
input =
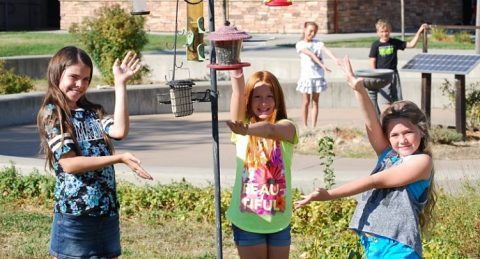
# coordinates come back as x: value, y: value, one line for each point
x: 91, y: 193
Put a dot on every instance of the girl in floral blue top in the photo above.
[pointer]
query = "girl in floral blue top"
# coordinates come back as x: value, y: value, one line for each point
x: 75, y: 136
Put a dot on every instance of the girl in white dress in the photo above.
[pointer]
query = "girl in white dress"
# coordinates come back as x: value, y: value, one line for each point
x: 312, y: 73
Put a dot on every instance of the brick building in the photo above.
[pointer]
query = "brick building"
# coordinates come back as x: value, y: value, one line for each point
x: 333, y: 16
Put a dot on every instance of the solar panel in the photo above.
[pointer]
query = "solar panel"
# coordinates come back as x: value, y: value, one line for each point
x: 442, y: 63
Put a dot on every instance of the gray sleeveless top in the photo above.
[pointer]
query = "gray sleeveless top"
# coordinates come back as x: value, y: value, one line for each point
x: 390, y: 212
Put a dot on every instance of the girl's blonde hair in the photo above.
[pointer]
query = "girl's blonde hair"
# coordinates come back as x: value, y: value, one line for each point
x: 60, y: 115
x: 279, y: 113
x: 410, y: 111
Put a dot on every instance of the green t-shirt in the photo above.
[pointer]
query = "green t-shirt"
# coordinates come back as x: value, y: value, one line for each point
x: 262, y: 196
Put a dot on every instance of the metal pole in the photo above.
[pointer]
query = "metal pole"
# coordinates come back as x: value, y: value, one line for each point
x: 225, y: 15
x: 214, y: 107
x: 402, y: 14
x: 175, y: 43
x: 477, y: 31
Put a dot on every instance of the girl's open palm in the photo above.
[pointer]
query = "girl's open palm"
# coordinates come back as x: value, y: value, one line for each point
x: 125, y: 70
x: 134, y: 164
x: 352, y: 81
x: 319, y: 194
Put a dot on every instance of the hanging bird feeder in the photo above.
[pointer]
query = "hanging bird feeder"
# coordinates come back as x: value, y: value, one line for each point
x: 228, y: 44
x: 278, y: 2
x: 140, y: 7
x: 181, y: 97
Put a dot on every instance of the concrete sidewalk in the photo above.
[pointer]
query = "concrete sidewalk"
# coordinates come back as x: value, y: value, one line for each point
x: 172, y: 149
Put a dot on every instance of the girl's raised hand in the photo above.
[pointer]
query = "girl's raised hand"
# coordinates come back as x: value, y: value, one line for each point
x: 130, y: 65
x: 352, y: 81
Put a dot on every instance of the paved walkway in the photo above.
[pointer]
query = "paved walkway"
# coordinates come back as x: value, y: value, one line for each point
x: 172, y: 149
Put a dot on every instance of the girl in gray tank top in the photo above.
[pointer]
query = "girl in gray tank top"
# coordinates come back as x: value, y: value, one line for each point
x: 398, y: 197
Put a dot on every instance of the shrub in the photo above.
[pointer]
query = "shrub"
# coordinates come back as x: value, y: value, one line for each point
x: 462, y: 37
x: 110, y: 35
x: 442, y: 135
x: 11, y: 83
x: 439, y: 34
x: 472, y: 98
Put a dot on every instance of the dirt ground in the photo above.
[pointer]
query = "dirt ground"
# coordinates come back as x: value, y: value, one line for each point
x: 353, y: 143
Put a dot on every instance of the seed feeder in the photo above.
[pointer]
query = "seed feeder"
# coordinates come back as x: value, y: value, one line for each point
x: 140, y: 7
x: 278, y: 2
x: 228, y: 44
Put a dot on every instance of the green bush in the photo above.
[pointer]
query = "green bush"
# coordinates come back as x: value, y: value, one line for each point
x: 110, y: 35
x: 462, y: 37
x: 439, y: 34
x: 442, y: 135
x: 320, y: 229
x: 11, y: 83
x: 472, y: 98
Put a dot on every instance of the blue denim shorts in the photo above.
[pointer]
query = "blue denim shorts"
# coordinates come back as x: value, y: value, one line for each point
x: 245, y: 238
x: 382, y: 247
x: 85, y: 237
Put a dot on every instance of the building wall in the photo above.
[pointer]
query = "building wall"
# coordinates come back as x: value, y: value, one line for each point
x: 23, y: 14
x: 333, y: 16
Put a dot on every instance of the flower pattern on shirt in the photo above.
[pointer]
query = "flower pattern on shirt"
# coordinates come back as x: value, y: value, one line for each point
x: 90, y: 193
x: 264, y: 186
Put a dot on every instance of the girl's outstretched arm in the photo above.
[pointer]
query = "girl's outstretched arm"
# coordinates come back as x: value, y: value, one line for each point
x: 237, y: 101
x: 122, y: 73
x: 73, y: 164
x: 315, y: 59
x: 282, y: 130
x: 414, y: 168
x: 332, y: 56
x: 375, y: 133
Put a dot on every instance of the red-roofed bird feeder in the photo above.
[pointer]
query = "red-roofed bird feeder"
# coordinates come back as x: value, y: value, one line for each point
x: 228, y: 44
x: 278, y: 2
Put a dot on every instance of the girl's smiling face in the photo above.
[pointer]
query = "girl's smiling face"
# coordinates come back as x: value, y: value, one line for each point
x: 309, y: 33
x: 74, y: 83
x: 404, y: 137
x: 263, y: 101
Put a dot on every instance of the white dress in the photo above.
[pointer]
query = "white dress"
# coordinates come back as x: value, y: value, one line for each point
x: 312, y: 76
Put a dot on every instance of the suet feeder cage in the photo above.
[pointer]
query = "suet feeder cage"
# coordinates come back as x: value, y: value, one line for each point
x: 181, y: 97
x: 228, y: 44
x: 278, y: 2
x: 140, y: 7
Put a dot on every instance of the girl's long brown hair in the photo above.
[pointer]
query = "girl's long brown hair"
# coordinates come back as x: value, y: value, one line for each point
x: 279, y: 113
x: 410, y: 111
x: 60, y: 116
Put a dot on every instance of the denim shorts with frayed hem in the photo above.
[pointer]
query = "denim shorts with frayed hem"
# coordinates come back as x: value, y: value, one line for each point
x: 85, y: 236
x: 246, y: 238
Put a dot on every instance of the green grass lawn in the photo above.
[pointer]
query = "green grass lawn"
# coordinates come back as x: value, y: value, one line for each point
x: 47, y: 43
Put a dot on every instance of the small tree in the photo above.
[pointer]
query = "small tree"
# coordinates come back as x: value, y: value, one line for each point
x: 326, y: 154
x: 110, y: 35
x: 11, y: 83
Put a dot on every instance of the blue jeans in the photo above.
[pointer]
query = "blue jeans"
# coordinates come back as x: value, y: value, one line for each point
x: 85, y: 237
x: 390, y: 93
x: 246, y: 238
